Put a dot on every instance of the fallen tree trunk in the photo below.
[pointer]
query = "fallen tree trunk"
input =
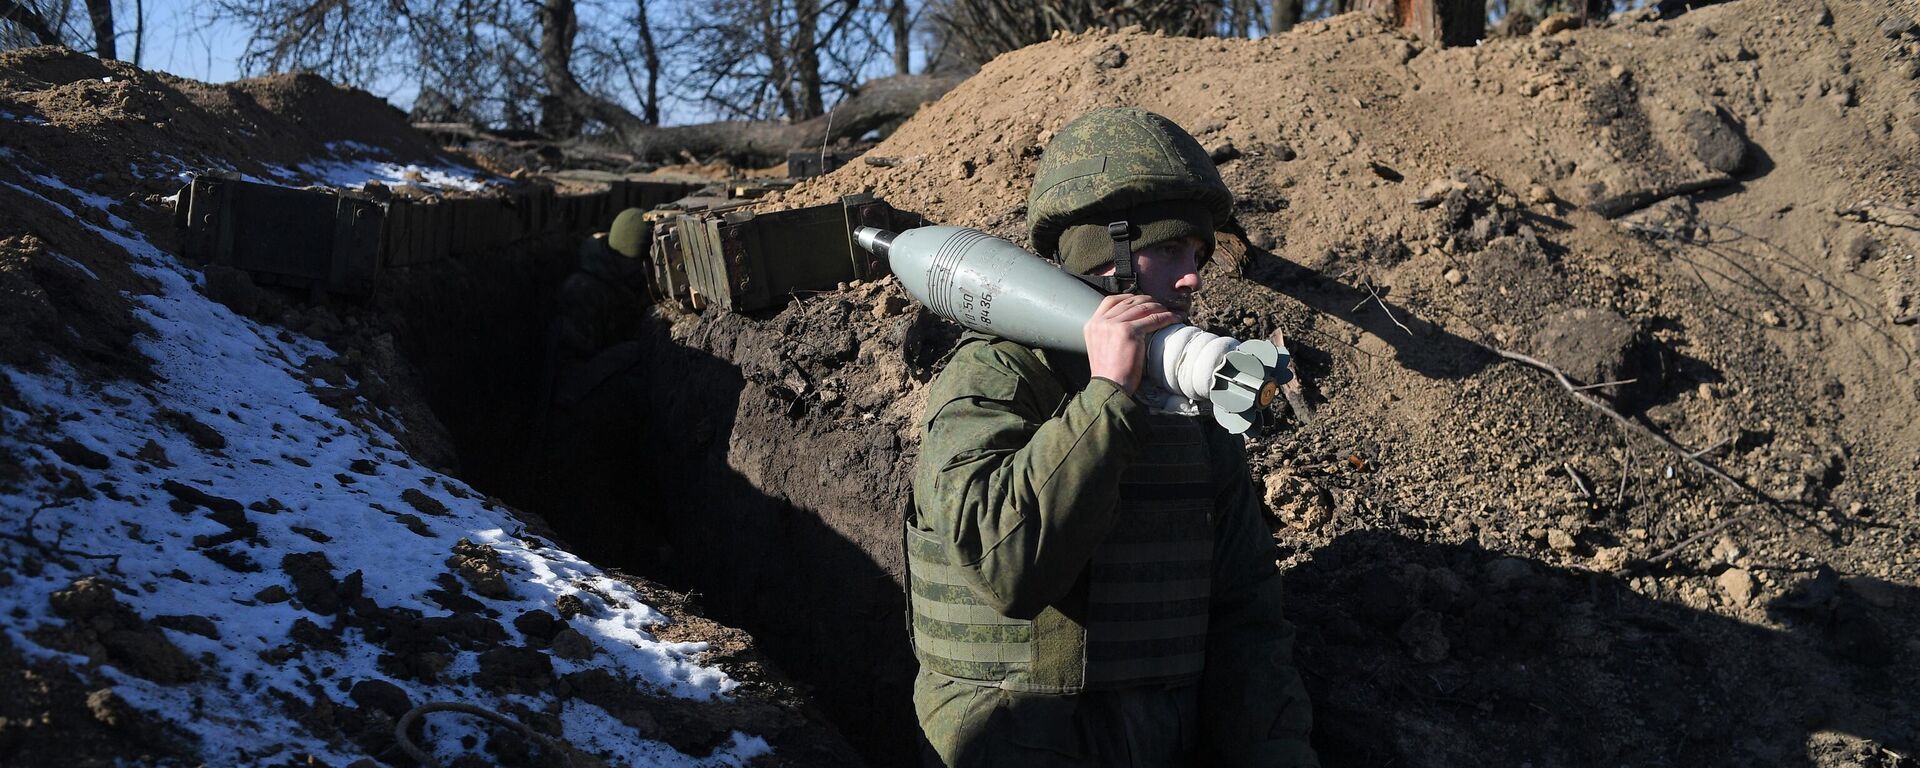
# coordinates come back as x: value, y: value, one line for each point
x: 879, y: 103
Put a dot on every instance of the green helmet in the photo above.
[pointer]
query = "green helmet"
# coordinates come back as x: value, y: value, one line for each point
x: 1122, y: 164
x: 630, y: 233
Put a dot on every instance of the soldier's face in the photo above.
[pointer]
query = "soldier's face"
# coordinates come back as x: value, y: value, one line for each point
x: 1170, y: 272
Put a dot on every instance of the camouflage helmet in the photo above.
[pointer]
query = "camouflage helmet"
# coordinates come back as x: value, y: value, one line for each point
x: 1111, y: 161
x: 630, y: 233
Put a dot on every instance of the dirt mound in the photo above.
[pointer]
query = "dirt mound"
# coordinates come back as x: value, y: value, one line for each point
x: 108, y: 121
x: 1670, y: 202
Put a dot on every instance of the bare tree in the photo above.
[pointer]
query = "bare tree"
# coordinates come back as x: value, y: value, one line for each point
x: 902, y: 30
x: 765, y: 59
x: 1286, y: 13
x: 100, y: 14
x: 1240, y: 18
x: 974, y: 31
x: 650, y: 53
x: 49, y: 22
x: 1445, y: 22
x: 23, y: 15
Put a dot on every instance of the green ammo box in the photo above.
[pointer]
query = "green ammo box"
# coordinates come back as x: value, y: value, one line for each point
x: 282, y: 236
x: 744, y: 261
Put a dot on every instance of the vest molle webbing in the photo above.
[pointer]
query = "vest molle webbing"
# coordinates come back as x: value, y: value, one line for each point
x: 1147, y: 599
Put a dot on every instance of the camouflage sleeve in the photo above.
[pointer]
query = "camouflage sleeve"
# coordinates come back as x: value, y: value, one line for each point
x: 1021, y: 491
x: 1255, y: 710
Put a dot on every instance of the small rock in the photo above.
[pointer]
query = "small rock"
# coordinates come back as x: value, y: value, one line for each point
x: 1592, y: 345
x: 1736, y: 584
x: 518, y: 670
x: 1226, y: 151
x: 1559, y: 540
x: 1539, y: 195
x: 426, y: 505
x: 1555, y: 23
x: 104, y: 629
x: 1771, y: 317
x: 313, y: 582
x: 140, y: 727
x: 1859, y: 250
x: 1617, y: 72
x: 570, y: 606
x: 568, y: 643
x: 1823, y: 17
x: 1283, y: 152
x: 1726, y: 550
x: 1896, y: 25
x: 1296, y: 502
x: 152, y: 453
x: 963, y: 169
x: 107, y: 707
x: 889, y: 306
x: 480, y: 565
x: 1110, y: 57
x: 1453, y: 276
x: 1610, y: 558
x: 1436, y: 191
x: 1715, y: 141
x: 381, y: 695
x: 273, y: 594
x: 72, y: 452
x: 538, y: 626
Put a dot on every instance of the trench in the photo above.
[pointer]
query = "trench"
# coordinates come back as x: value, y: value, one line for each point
x: 636, y: 477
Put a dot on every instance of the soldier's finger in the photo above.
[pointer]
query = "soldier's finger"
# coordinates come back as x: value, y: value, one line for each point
x: 1143, y: 307
x: 1111, y: 306
x: 1146, y: 325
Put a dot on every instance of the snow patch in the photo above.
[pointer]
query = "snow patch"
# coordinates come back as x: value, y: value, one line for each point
x: 304, y: 473
x: 29, y: 119
x: 352, y: 164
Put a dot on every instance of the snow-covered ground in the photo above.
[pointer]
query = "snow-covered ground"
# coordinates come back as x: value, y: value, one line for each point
x: 311, y: 481
x: 352, y: 164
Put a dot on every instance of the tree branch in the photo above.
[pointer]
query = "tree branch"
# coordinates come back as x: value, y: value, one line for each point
x: 30, y: 21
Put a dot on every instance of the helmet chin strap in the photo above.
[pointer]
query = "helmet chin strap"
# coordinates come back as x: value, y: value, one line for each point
x: 1123, y: 279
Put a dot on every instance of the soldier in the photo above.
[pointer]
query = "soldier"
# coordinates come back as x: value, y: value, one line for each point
x: 596, y: 386
x: 1092, y: 582
x: 599, y: 304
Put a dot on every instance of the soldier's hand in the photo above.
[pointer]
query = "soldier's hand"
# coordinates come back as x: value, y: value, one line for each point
x: 1117, y: 337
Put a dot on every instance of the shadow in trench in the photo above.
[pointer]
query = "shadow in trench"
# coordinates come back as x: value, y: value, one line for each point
x: 1432, y: 654
x: 662, y: 501
x: 636, y: 477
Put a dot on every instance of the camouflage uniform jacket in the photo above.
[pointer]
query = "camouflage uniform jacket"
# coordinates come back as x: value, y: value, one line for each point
x: 1018, y: 477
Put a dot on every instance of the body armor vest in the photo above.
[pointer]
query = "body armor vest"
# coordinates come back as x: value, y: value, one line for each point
x: 1144, y: 616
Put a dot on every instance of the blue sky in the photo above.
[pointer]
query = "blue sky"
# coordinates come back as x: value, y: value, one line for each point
x: 184, y: 39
